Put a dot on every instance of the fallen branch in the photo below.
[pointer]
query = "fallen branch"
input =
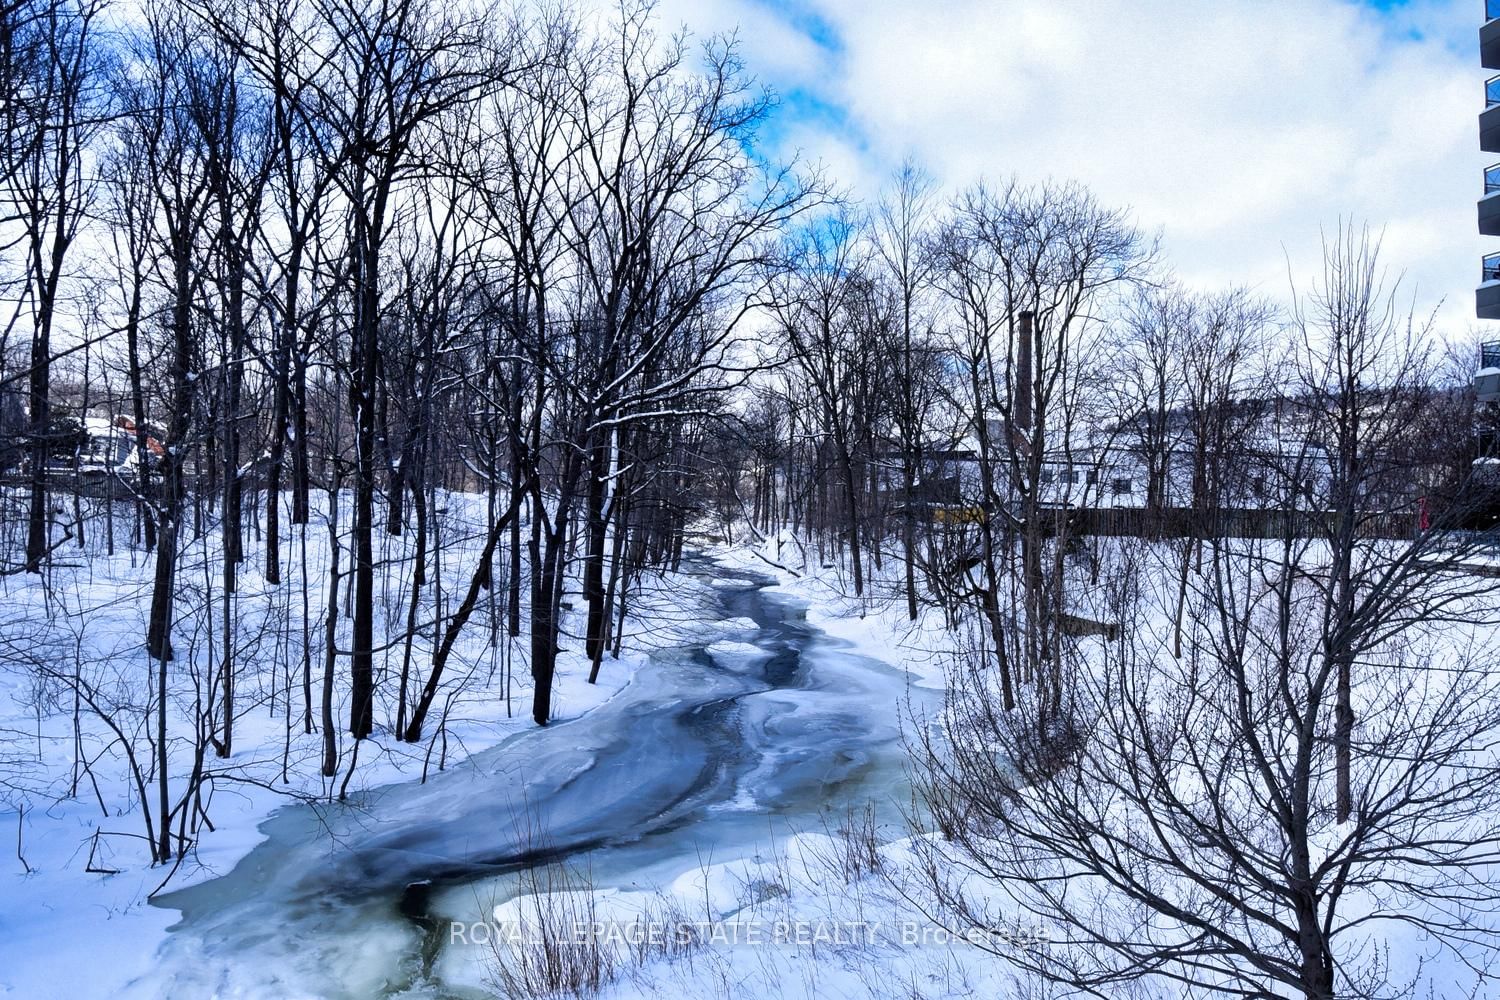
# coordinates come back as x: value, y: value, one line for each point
x: 772, y: 562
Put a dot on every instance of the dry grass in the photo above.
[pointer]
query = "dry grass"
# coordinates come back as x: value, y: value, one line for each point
x: 543, y: 955
x: 561, y: 944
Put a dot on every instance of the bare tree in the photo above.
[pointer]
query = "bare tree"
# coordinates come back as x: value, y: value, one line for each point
x: 1364, y: 379
x: 1228, y: 392
x: 833, y: 347
x: 388, y: 74
x: 1148, y: 390
x: 902, y: 237
x: 175, y: 162
x: 1024, y: 271
x: 59, y: 100
x: 1259, y: 804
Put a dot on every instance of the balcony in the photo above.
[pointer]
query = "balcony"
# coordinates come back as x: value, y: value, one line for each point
x: 1489, y: 205
x: 1489, y: 35
x: 1487, y: 295
x: 1487, y: 378
x: 1489, y: 118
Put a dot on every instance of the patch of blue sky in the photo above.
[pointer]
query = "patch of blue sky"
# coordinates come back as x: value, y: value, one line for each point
x: 804, y: 17
x: 1450, y: 21
x: 802, y: 106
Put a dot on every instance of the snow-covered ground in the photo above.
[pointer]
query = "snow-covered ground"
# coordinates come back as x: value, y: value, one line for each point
x: 732, y: 807
x: 845, y: 909
x: 781, y: 861
x: 85, y: 933
x: 827, y: 903
x: 74, y: 915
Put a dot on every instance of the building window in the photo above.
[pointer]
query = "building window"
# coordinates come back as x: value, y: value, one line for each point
x: 1120, y: 486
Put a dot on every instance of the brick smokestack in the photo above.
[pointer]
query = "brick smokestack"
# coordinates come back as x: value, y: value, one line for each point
x: 1023, y: 372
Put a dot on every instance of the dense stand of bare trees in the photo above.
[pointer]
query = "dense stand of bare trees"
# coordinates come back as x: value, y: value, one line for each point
x: 374, y: 254
x: 1210, y: 745
x: 1278, y: 754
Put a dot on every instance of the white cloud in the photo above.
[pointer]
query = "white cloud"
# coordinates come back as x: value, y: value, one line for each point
x: 1237, y: 128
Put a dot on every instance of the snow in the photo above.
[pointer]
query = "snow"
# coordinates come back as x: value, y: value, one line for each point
x: 90, y: 934
x: 68, y: 932
x: 794, y: 921
x: 733, y: 655
x: 72, y: 932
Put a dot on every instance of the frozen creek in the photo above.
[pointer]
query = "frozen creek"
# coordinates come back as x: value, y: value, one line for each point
x: 713, y: 749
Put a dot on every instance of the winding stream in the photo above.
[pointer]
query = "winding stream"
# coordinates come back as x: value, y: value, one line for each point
x: 705, y: 754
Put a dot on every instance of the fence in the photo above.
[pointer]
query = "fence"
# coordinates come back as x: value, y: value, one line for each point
x: 1230, y: 522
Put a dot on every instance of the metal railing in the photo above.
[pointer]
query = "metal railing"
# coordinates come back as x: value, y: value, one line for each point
x: 1490, y: 267
x: 1492, y: 92
x: 1492, y: 174
x: 1489, y: 354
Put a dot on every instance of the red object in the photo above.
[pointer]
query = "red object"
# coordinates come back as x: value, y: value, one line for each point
x: 152, y: 445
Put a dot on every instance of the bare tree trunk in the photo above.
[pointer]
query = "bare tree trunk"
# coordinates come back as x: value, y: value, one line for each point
x: 330, y: 639
x: 481, y: 580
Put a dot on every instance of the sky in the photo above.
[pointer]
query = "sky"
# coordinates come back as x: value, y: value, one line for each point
x: 1239, y: 130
